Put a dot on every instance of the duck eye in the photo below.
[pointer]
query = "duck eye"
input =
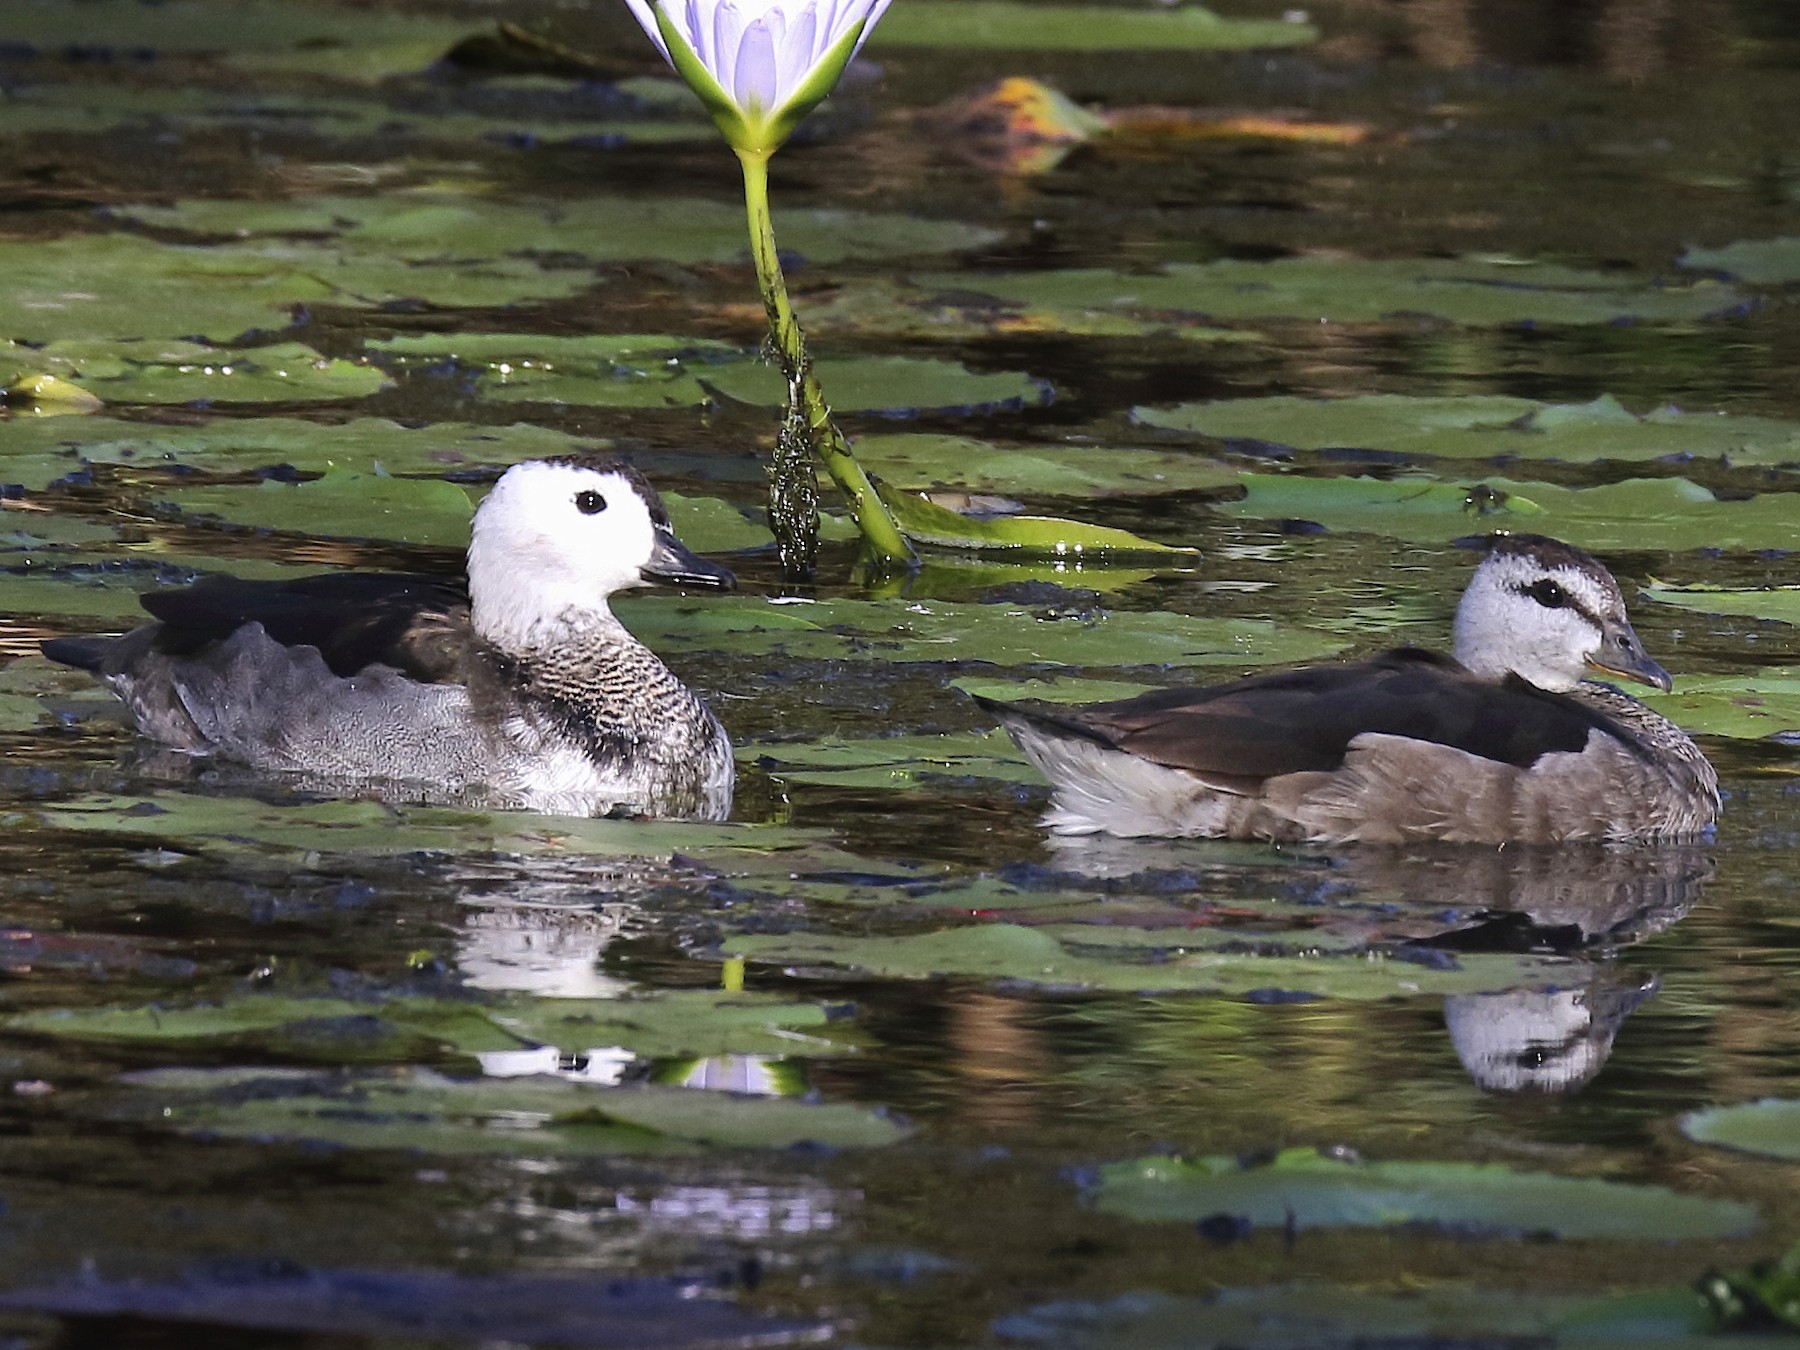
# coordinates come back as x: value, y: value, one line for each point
x: 589, y: 502
x: 1547, y: 593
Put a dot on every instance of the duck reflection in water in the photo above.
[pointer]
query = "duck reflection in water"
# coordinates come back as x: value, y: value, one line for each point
x: 1583, y: 903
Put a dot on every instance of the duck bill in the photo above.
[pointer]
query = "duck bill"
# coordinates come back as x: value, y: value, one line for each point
x: 1621, y: 654
x: 674, y: 564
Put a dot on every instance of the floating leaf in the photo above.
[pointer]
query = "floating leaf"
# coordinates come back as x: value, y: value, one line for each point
x: 1753, y: 705
x: 935, y: 630
x: 900, y: 762
x: 1780, y: 603
x: 1770, y: 1127
x: 605, y: 370
x: 343, y: 503
x: 187, y: 372
x: 916, y: 460
x: 35, y: 453
x: 1485, y: 427
x: 1761, y: 262
x: 892, y: 384
x: 1303, y: 1188
x: 416, y: 1110
x: 1031, y: 956
x: 924, y: 522
x: 434, y: 225
x: 1471, y: 291
x: 1010, y: 26
x: 1670, y: 513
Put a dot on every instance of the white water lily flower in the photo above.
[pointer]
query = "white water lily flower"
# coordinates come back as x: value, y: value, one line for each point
x: 758, y: 65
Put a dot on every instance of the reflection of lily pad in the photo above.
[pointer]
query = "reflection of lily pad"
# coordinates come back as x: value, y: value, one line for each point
x: 1031, y: 956
x: 1485, y: 426
x: 1303, y: 1188
x: 187, y: 372
x: 1770, y: 1127
x: 1472, y: 291
x: 343, y: 503
x: 1665, y: 513
x: 420, y: 1111
x: 931, y: 630
x: 898, y: 384
x: 1010, y: 26
x: 437, y: 226
x: 1761, y: 262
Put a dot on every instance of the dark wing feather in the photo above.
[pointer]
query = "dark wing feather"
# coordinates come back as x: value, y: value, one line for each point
x: 1303, y: 720
x: 414, y: 623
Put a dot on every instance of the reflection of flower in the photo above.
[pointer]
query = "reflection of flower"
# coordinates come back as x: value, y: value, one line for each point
x: 759, y: 65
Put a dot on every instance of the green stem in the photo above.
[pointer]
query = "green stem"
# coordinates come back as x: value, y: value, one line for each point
x: 880, y: 535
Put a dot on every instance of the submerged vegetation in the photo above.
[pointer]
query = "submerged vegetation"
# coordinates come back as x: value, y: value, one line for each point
x: 1279, y: 307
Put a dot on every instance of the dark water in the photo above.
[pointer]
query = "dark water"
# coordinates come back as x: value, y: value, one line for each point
x: 1607, y: 136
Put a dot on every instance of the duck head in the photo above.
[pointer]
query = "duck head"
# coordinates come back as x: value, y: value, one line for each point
x: 1549, y: 613
x: 556, y: 537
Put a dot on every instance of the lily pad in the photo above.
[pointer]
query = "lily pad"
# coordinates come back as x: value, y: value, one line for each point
x: 1476, y: 292
x: 438, y: 226
x: 1750, y: 706
x: 1761, y: 262
x: 1770, y: 1127
x: 342, y: 503
x: 116, y: 287
x: 923, y: 521
x: 911, y: 459
x: 1779, y: 603
x: 343, y: 42
x: 891, y: 384
x: 893, y: 761
x: 1485, y: 427
x: 419, y: 1111
x: 1669, y: 513
x: 934, y: 630
x: 241, y: 824
x: 602, y: 370
x: 188, y: 372
x: 35, y: 453
x: 1303, y: 1188
x: 1033, y: 957
x: 1009, y: 26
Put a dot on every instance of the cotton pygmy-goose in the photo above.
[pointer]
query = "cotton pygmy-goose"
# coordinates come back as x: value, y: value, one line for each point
x: 520, y: 689
x: 1507, y: 741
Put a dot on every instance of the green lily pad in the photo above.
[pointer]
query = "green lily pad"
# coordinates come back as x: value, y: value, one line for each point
x: 187, y: 372
x: 342, y: 503
x: 915, y: 460
x: 1670, y: 513
x: 933, y: 630
x: 1304, y: 1188
x: 419, y: 1111
x: 1476, y: 292
x: 1770, y: 1127
x: 1761, y: 262
x: 900, y: 762
x: 343, y: 42
x: 1485, y: 427
x: 602, y: 370
x: 1031, y: 956
x: 1780, y: 603
x: 925, y: 522
x: 652, y: 1026
x: 873, y: 308
x: 75, y: 593
x: 1009, y: 26
x: 116, y: 287
x: 898, y: 384
x: 35, y: 452
x: 244, y: 824
x: 436, y: 226
x: 1749, y: 706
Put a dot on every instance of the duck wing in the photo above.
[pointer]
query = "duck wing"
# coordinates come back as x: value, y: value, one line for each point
x: 1302, y: 720
x: 416, y: 624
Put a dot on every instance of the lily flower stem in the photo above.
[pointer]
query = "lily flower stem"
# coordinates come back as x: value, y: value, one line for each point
x: 882, y: 539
